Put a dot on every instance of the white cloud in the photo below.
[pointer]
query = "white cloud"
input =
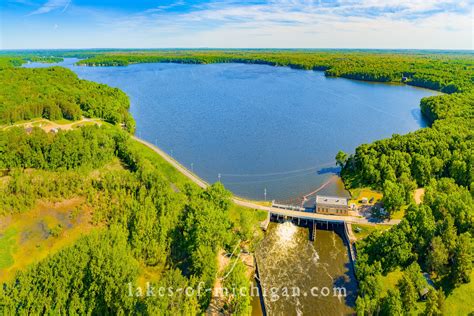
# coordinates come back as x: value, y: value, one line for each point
x: 293, y: 23
x: 439, y: 24
x: 51, y: 5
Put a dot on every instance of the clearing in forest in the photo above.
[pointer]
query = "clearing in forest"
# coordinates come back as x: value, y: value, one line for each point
x: 29, y: 237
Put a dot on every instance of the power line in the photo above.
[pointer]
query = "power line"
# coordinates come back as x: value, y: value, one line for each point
x: 277, y: 173
x: 270, y: 180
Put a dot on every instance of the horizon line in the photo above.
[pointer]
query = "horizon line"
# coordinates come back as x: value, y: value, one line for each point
x: 238, y: 48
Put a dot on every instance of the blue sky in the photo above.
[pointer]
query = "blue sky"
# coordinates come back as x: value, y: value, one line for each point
x: 429, y: 24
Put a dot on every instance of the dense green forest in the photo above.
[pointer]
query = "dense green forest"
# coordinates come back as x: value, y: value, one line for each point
x: 152, y: 218
x: 435, y: 237
x: 445, y: 73
x: 55, y: 93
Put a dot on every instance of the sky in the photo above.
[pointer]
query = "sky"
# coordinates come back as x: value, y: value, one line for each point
x: 386, y: 24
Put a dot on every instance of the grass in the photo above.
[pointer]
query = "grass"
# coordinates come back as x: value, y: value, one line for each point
x: 359, y: 193
x: 262, y: 203
x: 63, y: 121
x: 34, y: 122
x: 236, y: 211
x: 400, y: 213
x: 366, y: 230
x: 7, y: 247
x: 460, y: 301
x: 166, y: 169
x: 31, y: 236
x: 80, y: 124
x: 389, y: 282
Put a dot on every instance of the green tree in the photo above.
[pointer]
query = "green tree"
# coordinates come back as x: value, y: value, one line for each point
x: 408, y: 185
x: 392, y: 303
x: 434, y: 303
x: 413, y: 272
x: 449, y: 235
x: 437, y: 257
x: 393, y: 196
x: 365, y: 305
x: 409, y: 295
x: 463, y: 259
x: 341, y: 158
x: 237, y: 284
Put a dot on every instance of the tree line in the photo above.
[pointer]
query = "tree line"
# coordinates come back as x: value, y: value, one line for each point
x: 442, y: 72
x: 435, y: 237
x: 176, y: 227
x: 56, y: 93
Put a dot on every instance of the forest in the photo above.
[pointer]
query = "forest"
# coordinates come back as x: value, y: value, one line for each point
x: 57, y: 93
x: 433, y: 237
x: 146, y: 218
x: 443, y: 72
x: 149, y: 217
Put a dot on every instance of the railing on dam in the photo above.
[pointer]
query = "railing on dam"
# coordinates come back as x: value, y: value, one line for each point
x: 288, y: 207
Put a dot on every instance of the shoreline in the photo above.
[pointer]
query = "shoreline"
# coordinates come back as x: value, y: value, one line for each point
x: 254, y: 205
x: 322, y: 69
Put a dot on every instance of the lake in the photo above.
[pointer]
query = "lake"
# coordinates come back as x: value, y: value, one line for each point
x: 260, y: 127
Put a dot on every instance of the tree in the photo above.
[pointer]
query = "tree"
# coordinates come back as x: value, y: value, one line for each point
x: 434, y: 303
x: 437, y: 257
x: 408, y: 186
x: 449, y: 235
x: 408, y: 293
x: 341, y: 158
x: 366, y: 305
x: 413, y: 272
x: 463, y: 259
x: 422, y: 226
x: 393, y: 196
x: 392, y: 304
x: 237, y: 286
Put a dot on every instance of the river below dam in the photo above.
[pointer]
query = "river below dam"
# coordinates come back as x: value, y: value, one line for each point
x: 303, y: 277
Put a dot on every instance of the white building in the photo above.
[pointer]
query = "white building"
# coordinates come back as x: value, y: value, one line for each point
x: 332, y: 205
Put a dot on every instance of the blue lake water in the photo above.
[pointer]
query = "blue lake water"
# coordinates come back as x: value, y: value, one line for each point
x: 260, y: 127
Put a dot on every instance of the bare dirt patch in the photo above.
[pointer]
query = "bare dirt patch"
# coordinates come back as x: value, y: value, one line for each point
x: 418, y: 195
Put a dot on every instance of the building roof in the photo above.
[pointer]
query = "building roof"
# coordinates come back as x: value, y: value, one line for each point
x: 331, y: 200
